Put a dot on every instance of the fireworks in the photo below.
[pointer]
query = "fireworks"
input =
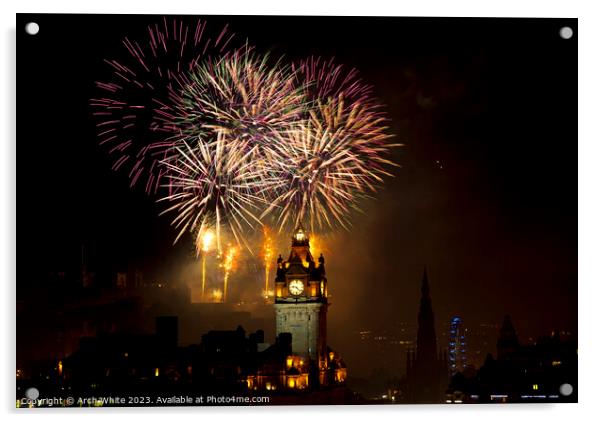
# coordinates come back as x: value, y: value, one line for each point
x: 216, y: 295
x: 235, y: 139
x: 233, y: 110
x: 130, y: 101
x: 335, y: 155
x: 323, y: 79
x: 268, y: 254
x: 228, y: 265
x: 204, y: 244
x: 327, y: 167
x: 343, y: 105
x: 206, y: 241
x: 239, y: 96
x: 214, y: 185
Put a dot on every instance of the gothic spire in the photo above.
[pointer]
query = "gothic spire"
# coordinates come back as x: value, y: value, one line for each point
x: 426, y: 349
x: 426, y: 309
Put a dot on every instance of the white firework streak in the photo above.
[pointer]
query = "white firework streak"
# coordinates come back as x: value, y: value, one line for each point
x: 240, y: 96
x: 215, y: 185
x: 327, y: 164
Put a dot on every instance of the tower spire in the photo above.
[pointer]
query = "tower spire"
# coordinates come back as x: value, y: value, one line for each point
x: 427, y: 374
x: 508, y: 341
x: 300, y: 237
x: 425, y: 289
x: 426, y: 341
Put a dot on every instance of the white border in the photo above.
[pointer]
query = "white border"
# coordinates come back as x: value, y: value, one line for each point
x: 590, y: 197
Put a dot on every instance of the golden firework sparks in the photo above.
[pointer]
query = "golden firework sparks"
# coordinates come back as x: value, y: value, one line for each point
x: 268, y: 254
x: 204, y: 246
x: 229, y: 265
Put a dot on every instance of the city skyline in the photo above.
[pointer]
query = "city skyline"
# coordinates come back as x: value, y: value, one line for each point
x: 484, y: 195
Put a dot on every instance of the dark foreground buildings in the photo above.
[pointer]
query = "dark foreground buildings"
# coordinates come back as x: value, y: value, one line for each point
x: 298, y: 368
x: 225, y: 362
x: 542, y: 372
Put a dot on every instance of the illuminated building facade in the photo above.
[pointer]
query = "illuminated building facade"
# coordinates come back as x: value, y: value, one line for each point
x: 457, y: 346
x: 301, y: 303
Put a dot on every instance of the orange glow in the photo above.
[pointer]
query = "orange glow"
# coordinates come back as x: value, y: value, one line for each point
x: 317, y: 245
x: 203, y: 277
x: 204, y: 246
x: 268, y: 254
x: 206, y: 241
x: 229, y: 265
x: 229, y: 260
x: 216, y: 295
x: 60, y: 367
x: 340, y: 375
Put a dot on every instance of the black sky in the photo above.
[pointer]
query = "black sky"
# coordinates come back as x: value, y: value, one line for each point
x: 491, y: 101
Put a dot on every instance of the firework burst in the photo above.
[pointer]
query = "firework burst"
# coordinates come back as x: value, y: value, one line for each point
x: 336, y: 155
x: 239, y: 96
x: 327, y: 164
x: 229, y: 265
x: 214, y: 186
x: 236, y: 138
x: 129, y: 103
x: 323, y: 79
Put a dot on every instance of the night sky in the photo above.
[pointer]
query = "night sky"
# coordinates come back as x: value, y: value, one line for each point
x: 485, y: 195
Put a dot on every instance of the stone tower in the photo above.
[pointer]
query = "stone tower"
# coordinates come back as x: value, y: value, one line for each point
x: 301, y: 300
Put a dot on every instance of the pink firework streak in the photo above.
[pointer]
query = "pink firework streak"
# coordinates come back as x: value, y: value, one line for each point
x: 127, y: 107
x: 240, y: 96
x: 335, y: 156
x: 324, y: 79
x: 345, y: 105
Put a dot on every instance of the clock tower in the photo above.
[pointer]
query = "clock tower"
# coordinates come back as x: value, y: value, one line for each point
x: 301, y: 300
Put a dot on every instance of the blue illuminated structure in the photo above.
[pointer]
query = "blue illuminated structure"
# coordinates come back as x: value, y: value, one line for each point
x: 457, y: 345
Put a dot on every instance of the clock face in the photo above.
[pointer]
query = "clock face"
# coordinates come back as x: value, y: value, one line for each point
x: 295, y: 287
